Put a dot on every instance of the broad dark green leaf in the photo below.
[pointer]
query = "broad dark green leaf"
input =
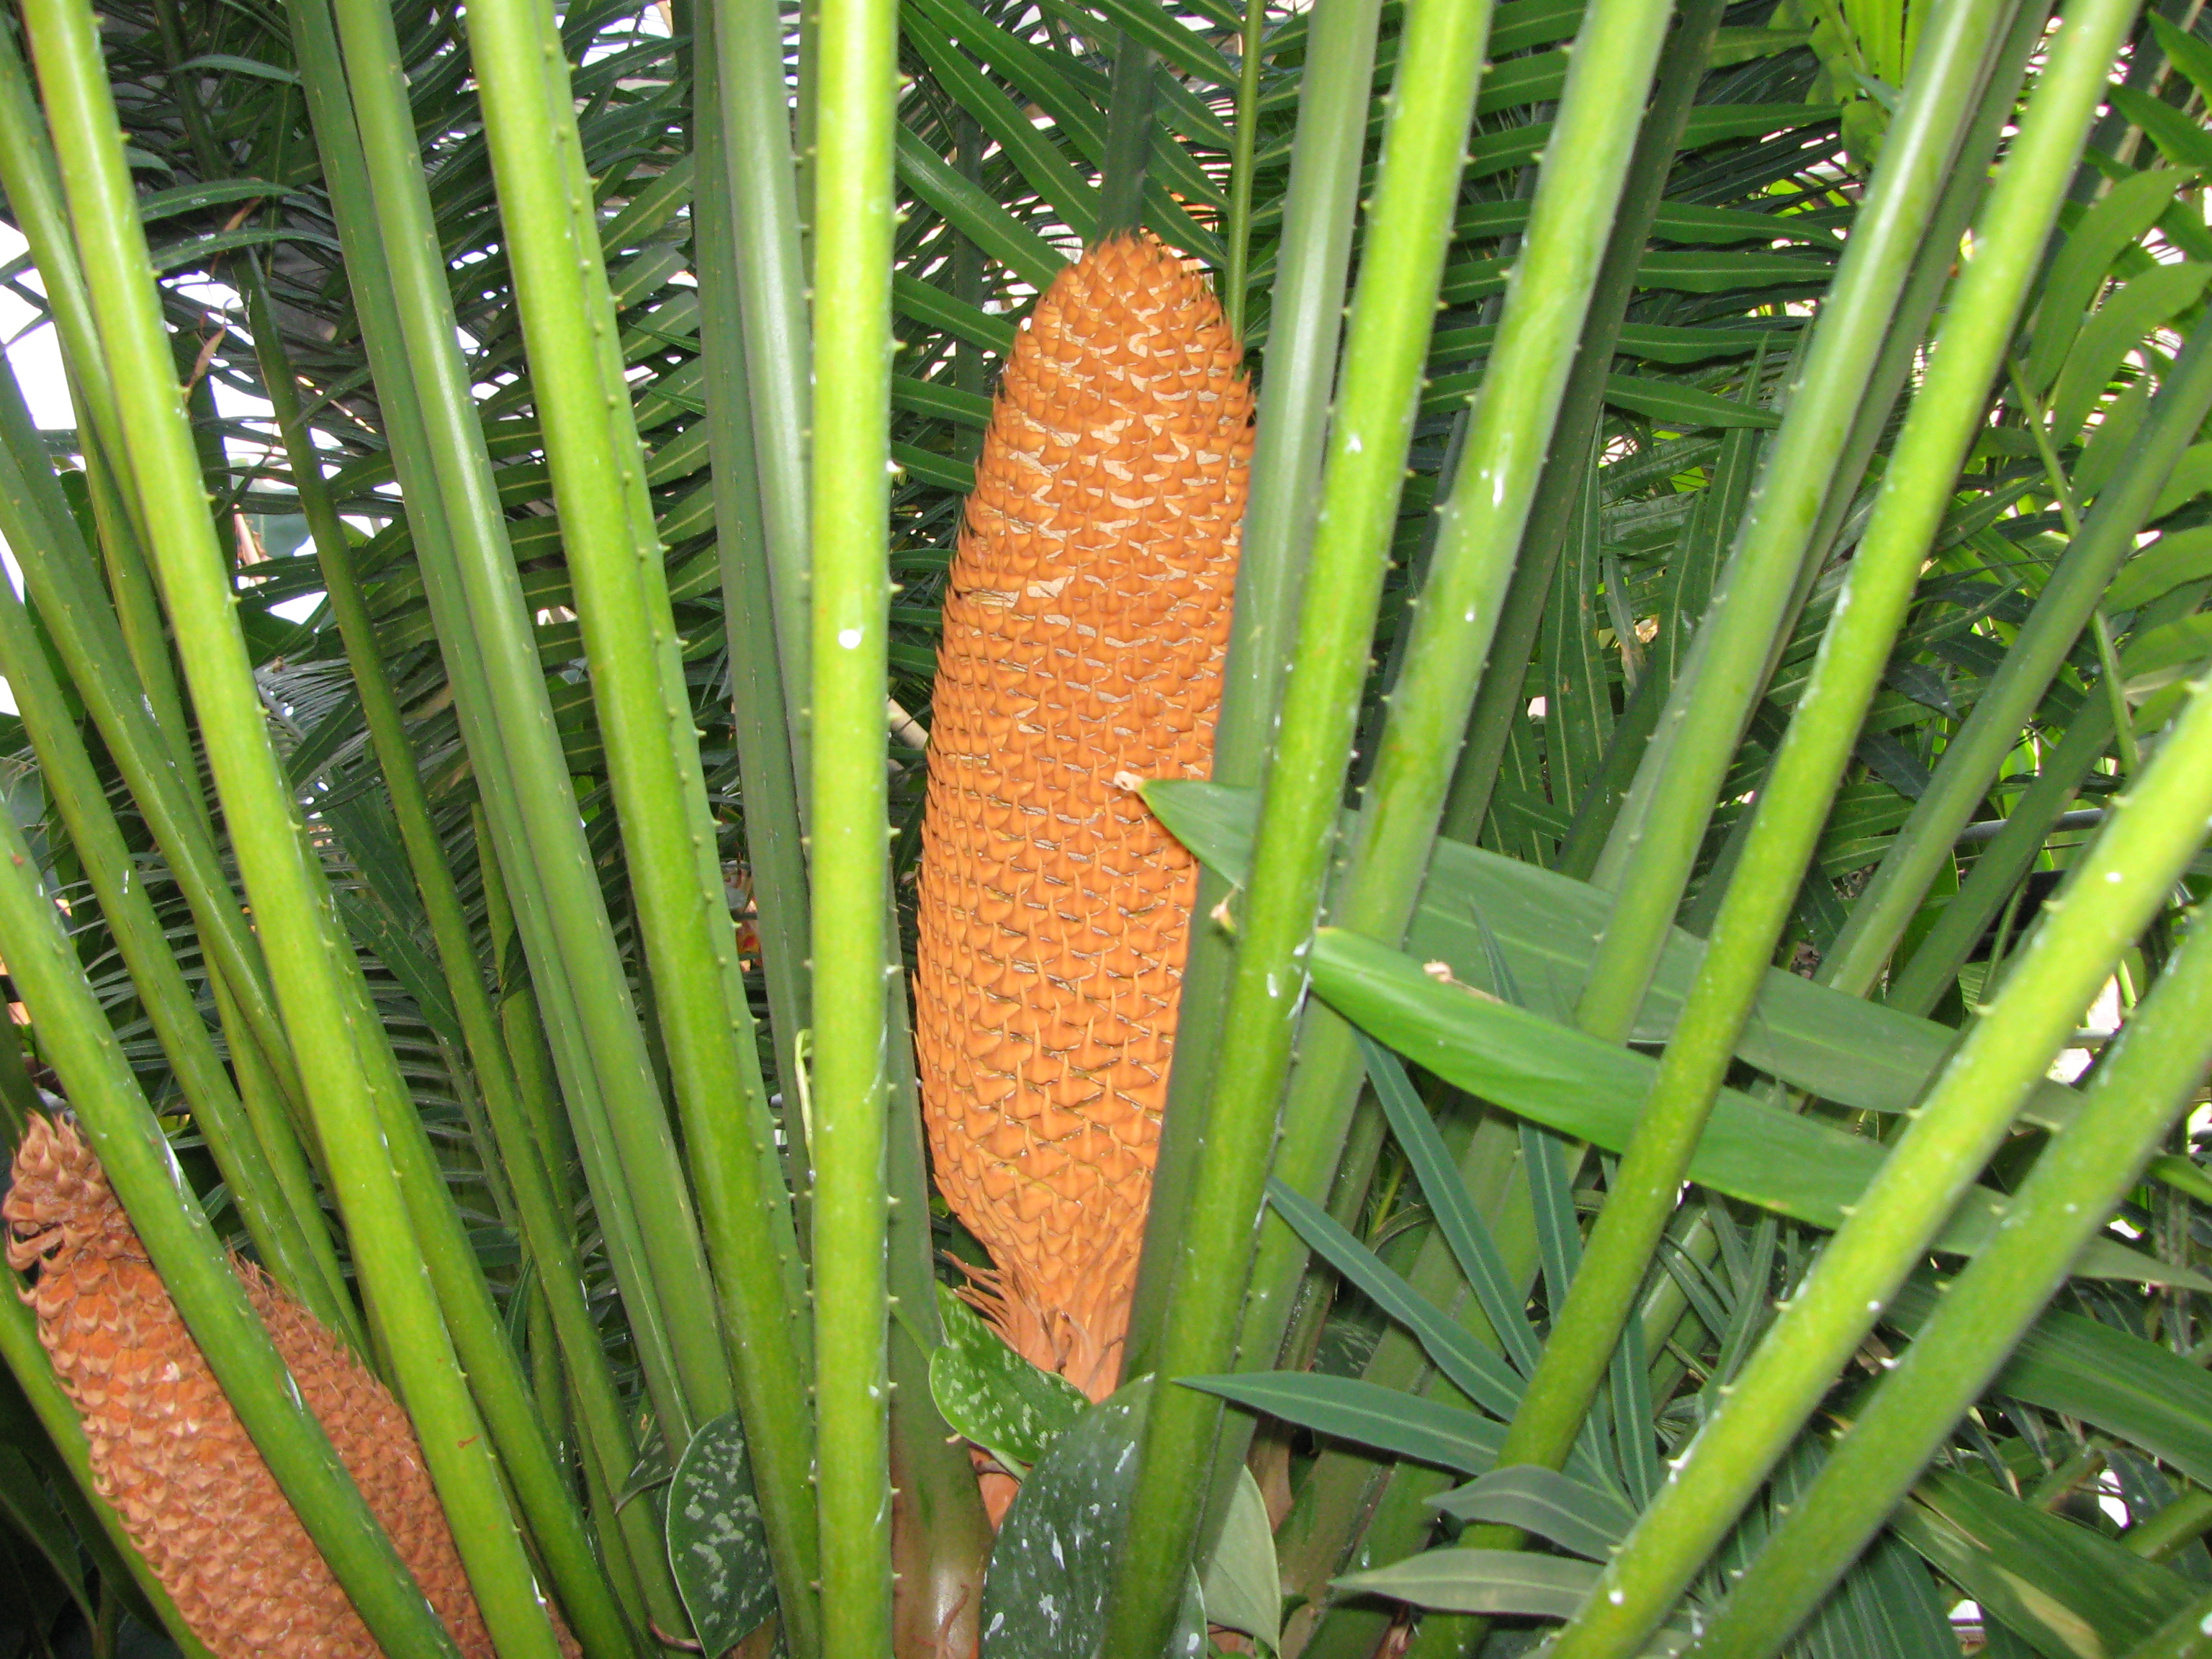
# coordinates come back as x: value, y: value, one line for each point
x: 1242, y: 1587
x: 717, y: 1543
x: 1045, y: 1596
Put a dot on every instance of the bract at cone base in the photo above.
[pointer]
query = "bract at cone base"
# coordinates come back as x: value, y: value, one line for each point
x: 172, y: 1456
x: 1085, y: 628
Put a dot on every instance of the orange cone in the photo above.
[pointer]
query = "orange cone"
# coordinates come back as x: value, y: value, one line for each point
x: 1085, y: 627
x: 169, y: 1453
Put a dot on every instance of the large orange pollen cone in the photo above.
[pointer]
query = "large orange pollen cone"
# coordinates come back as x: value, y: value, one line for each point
x: 1085, y: 627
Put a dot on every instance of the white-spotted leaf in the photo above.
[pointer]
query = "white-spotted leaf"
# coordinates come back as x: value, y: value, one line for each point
x: 717, y: 1544
x: 1045, y: 1594
x: 992, y: 1395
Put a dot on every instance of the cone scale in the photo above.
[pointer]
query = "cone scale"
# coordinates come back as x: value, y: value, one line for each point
x: 1085, y: 628
x: 170, y: 1454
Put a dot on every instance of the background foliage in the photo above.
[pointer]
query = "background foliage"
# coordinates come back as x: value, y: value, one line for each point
x: 419, y: 607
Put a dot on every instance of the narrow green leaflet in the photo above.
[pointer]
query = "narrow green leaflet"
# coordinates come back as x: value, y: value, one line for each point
x: 1483, y: 1581
x: 2120, y: 324
x: 2148, y: 1395
x: 990, y: 1394
x: 1682, y: 406
x: 1459, y: 1220
x: 1588, y: 1089
x: 717, y: 1544
x: 978, y: 216
x: 2125, y: 213
x: 1473, y: 1368
x: 2178, y: 556
x: 2192, y: 475
x: 2186, y: 143
x: 1706, y: 272
x: 1841, y: 1047
x: 2066, y: 1589
x: 1345, y: 1409
x: 1583, y: 1520
x: 1177, y: 43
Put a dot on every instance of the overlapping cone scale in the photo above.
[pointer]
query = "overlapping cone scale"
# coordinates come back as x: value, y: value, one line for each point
x: 172, y: 1456
x: 1085, y: 627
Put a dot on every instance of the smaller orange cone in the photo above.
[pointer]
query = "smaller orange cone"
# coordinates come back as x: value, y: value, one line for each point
x: 169, y: 1453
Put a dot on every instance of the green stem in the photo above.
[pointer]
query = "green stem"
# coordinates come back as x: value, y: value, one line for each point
x: 607, y: 1436
x: 2173, y: 1528
x: 75, y: 1037
x: 295, y: 1247
x: 1393, y: 314
x: 35, y: 196
x: 856, y: 81
x: 1129, y: 141
x: 491, y: 653
x: 291, y: 908
x: 775, y: 858
x: 1794, y: 803
x: 1499, y: 700
x: 1245, y: 144
x: 395, y: 755
x: 941, y: 1536
x: 2114, y: 891
x: 2100, y: 631
x: 615, y: 561
x: 1479, y: 529
x: 1278, y: 527
x: 58, y: 576
x: 1978, y: 749
x: 1736, y: 638
x: 772, y: 295
x: 630, y: 1536
x: 2147, y: 1080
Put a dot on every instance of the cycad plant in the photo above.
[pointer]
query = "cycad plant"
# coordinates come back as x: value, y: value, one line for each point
x: 1523, y: 682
